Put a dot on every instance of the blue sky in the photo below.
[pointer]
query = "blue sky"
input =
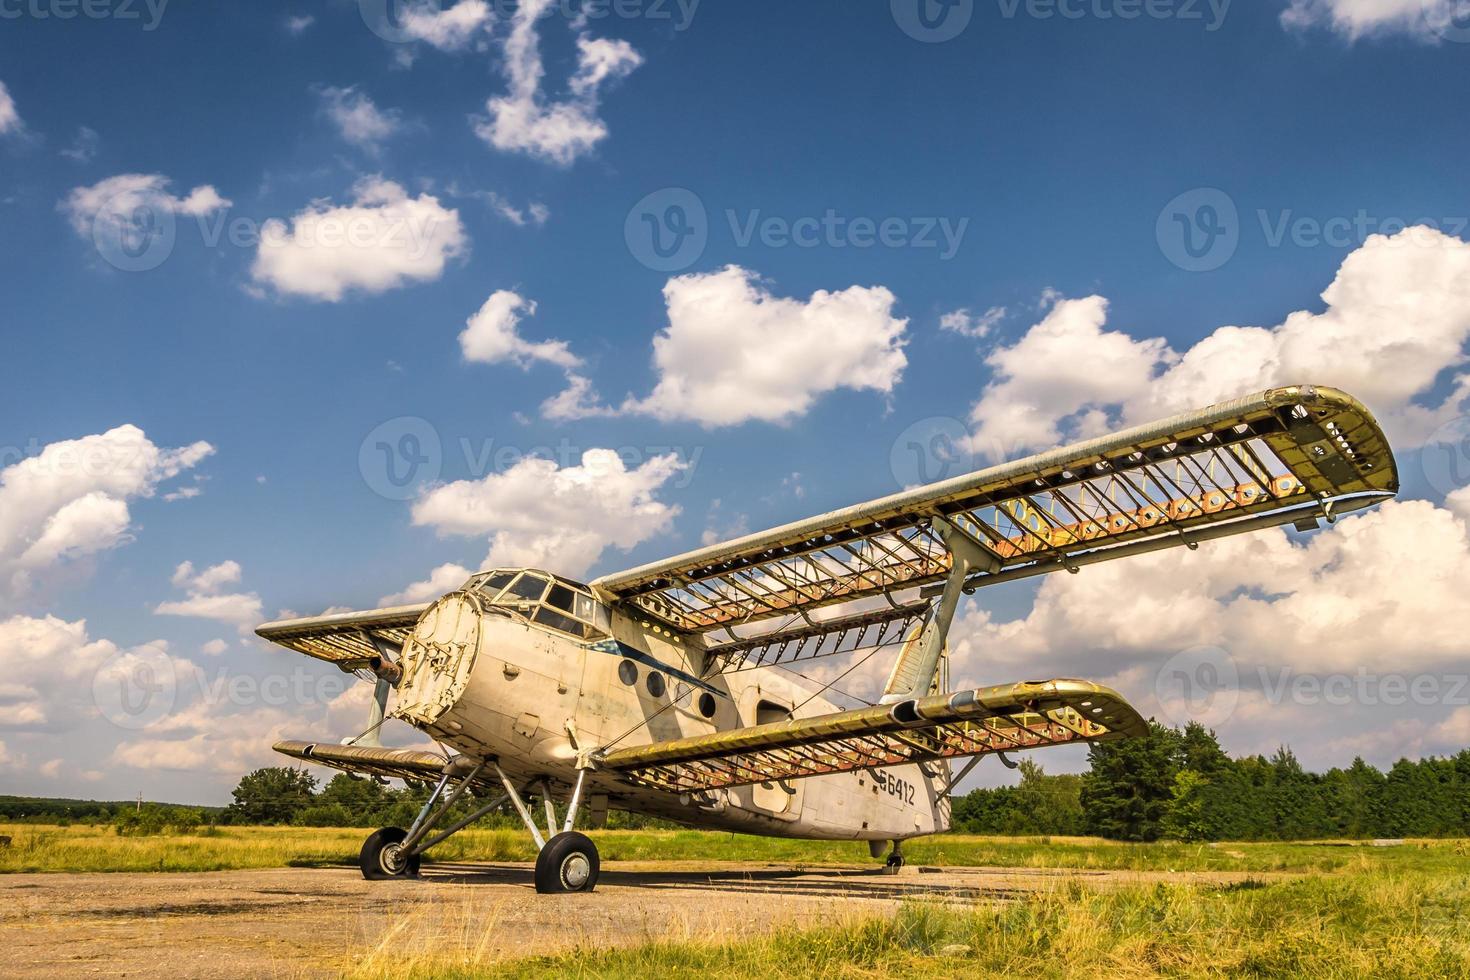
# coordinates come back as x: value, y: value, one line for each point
x: 1017, y: 169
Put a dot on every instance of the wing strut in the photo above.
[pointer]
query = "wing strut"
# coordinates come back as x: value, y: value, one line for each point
x: 913, y: 672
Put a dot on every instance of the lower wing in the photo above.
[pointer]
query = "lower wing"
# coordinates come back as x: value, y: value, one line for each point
x: 1029, y: 715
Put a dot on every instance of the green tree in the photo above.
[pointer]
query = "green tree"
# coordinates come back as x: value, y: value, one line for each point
x: 1130, y: 785
x: 1188, y: 818
x: 272, y: 796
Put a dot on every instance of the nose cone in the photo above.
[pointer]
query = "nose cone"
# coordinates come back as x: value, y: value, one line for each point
x: 438, y: 658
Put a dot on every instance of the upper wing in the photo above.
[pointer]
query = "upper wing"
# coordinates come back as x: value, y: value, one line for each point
x: 345, y: 639
x: 1282, y: 456
x: 1030, y: 715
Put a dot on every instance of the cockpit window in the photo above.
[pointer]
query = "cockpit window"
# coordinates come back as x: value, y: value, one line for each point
x: 528, y: 586
x: 554, y: 603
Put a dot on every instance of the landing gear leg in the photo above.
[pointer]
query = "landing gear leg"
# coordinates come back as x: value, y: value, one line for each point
x: 383, y: 856
x: 568, y: 862
x: 895, y: 859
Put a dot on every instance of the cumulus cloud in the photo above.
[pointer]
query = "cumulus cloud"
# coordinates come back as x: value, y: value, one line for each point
x: 734, y: 352
x: 9, y: 115
x: 492, y: 336
x: 117, y: 201
x: 559, y: 518
x: 526, y: 120
x: 1424, y: 20
x: 1396, y: 318
x: 207, y: 598
x: 71, y: 499
x: 49, y: 667
x: 451, y: 29
x: 445, y: 578
x: 357, y: 118
x: 383, y: 240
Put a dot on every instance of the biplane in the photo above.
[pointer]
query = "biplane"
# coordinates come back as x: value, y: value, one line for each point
x: 675, y: 689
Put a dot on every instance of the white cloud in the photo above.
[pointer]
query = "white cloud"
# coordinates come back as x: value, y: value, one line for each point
x: 83, y: 146
x: 206, y: 600
x: 1382, y: 590
x: 448, y: 30
x: 561, y: 519
x: 383, y: 240
x: 1424, y: 20
x: 967, y: 324
x: 357, y: 118
x: 296, y: 26
x: 214, y: 648
x: 445, y: 578
x: 208, y: 581
x: 9, y: 115
x: 578, y: 400
x: 525, y: 120
x: 734, y: 352
x: 491, y: 335
x: 534, y: 213
x: 1396, y: 317
x: 49, y: 665
x: 71, y: 499
x: 118, y: 200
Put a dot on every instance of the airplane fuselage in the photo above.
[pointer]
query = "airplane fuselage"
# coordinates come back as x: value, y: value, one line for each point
x: 490, y: 683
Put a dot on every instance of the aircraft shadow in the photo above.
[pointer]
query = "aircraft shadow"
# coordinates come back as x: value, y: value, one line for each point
x: 813, y: 882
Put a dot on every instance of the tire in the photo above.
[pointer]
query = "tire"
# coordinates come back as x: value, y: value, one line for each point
x: 379, y: 860
x: 568, y: 863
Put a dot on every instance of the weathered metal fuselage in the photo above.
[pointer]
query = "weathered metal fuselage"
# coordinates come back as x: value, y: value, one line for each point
x: 489, y: 684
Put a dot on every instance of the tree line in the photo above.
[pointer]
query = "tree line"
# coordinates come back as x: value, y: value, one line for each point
x: 1180, y: 784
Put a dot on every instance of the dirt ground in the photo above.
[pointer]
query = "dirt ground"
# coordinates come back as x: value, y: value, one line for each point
x: 294, y: 922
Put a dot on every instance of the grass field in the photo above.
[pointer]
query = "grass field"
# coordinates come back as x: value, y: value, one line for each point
x: 1337, y: 911
x: 81, y: 848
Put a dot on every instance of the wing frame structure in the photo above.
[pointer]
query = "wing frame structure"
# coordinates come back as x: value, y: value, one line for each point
x: 1015, y: 717
x: 1290, y: 455
x: 368, y: 760
x: 349, y: 640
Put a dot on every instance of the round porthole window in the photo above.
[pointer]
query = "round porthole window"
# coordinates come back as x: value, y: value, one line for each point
x: 656, y: 685
x: 628, y: 672
x: 707, y: 705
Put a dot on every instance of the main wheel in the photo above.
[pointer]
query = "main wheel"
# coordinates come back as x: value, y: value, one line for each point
x: 382, y: 856
x: 568, y: 863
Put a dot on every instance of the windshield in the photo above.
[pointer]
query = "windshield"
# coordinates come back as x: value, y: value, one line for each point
x: 547, y: 600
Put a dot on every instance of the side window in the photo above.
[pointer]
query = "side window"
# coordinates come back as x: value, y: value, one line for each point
x: 547, y: 616
x: 528, y: 587
x: 561, y: 597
